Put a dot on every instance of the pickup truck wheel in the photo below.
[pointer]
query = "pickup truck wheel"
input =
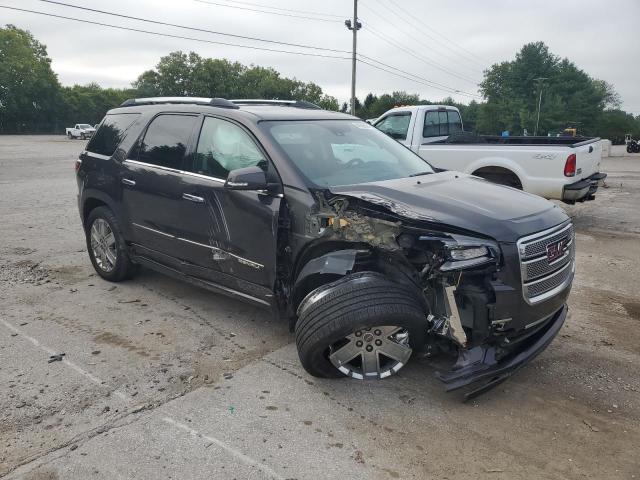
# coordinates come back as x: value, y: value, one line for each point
x: 106, y: 246
x: 83, y: 136
x: 69, y: 136
x: 362, y: 326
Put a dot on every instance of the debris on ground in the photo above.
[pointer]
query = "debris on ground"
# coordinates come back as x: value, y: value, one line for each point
x: 57, y: 357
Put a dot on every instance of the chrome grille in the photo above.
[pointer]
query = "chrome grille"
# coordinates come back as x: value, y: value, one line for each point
x: 540, y: 278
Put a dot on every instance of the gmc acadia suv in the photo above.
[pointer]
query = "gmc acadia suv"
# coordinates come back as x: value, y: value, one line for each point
x: 325, y: 220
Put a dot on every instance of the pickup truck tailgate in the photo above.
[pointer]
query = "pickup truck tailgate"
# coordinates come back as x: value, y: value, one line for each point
x: 588, y: 158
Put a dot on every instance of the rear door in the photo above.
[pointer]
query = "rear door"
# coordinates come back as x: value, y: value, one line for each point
x: 230, y: 236
x: 153, y: 186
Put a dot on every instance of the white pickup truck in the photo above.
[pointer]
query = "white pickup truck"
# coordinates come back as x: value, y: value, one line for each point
x: 81, y: 130
x: 561, y: 168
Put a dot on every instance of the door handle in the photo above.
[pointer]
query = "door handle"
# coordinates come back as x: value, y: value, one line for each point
x: 131, y: 183
x: 192, y: 198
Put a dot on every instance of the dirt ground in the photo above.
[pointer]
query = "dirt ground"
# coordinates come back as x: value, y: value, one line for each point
x: 163, y: 380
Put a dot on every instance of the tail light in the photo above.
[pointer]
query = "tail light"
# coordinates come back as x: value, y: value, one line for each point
x: 570, y: 166
x: 77, y: 166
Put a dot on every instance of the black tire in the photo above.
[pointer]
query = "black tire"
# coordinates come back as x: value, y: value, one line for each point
x: 331, y: 312
x: 123, y: 268
x: 83, y: 136
x: 630, y: 148
x: 69, y: 136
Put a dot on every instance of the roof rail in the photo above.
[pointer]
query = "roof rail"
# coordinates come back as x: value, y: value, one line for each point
x: 214, y: 102
x: 283, y: 103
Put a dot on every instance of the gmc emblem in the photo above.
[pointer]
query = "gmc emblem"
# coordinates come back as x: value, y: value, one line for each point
x: 557, y: 250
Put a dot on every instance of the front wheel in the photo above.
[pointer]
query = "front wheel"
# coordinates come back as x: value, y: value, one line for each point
x: 69, y: 136
x: 106, y: 246
x: 83, y: 136
x: 363, y: 326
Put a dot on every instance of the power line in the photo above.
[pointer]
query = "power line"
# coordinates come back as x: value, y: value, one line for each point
x: 410, y: 17
x: 407, y: 78
x: 168, y: 35
x: 291, y: 10
x: 157, y: 22
x: 423, y: 59
x: 266, y: 11
x: 425, y: 81
x: 403, y: 29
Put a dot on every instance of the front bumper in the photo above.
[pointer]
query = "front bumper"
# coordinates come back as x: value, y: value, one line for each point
x: 480, y: 367
x: 583, y: 190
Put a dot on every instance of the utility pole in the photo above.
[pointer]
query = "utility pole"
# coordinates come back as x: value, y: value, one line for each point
x: 540, y: 80
x: 354, y: 26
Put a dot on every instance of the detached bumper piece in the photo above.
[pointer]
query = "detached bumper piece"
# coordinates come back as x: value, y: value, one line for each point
x: 480, y: 368
x: 583, y: 190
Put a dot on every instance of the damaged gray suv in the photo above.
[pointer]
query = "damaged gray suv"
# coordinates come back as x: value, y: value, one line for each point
x: 370, y: 253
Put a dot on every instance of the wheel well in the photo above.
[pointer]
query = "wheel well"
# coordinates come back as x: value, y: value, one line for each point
x: 496, y: 174
x: 89, y: 205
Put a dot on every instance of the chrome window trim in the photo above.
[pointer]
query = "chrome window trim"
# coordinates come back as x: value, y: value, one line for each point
x: 96, y: 155
x: 174, y: 170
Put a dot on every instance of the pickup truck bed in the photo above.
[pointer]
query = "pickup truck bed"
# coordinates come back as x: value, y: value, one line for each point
x: 561, y: 168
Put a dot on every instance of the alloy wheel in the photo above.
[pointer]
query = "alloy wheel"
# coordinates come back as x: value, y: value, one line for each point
x: 372, y: 353
x: 103, y: 245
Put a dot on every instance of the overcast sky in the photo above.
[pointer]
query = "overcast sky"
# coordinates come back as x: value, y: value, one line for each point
x: 448, y: 42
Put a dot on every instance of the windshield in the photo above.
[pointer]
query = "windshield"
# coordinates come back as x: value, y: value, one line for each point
x: 84, y: 125
x: 330, y: 153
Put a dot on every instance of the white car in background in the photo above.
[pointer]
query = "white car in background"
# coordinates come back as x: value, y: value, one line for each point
x: 81, y: 130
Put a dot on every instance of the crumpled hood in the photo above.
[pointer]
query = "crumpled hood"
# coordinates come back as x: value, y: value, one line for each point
x: 461, y: 201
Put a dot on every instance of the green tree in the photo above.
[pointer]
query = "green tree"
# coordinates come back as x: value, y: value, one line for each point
x: 29, y: 90
x: 569, y: 95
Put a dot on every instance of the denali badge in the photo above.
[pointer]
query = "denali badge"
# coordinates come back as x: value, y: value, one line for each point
x: 557, y: 250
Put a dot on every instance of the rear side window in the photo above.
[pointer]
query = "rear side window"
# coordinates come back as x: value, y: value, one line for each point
x: 441, y: 123
x: 166, y: 140
x: 111, y: 133
x: 224, y: 146
x: 396, y: 126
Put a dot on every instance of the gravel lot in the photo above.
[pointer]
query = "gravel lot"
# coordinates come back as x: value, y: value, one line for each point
x: 163, y: 380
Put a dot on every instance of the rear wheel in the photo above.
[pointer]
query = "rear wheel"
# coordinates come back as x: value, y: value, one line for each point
x: 362, y: 326
x: 106, y: 246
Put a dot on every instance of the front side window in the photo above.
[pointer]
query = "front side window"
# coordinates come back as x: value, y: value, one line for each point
x: 224, y: 146
x: 111, y: 133
x: 396, y: 126
x: 166, y: 140
x: 343, y: 152
x: 440, y: 123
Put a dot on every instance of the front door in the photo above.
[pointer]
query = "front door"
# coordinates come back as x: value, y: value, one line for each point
x: 153, y: 186
x: 230, y: 236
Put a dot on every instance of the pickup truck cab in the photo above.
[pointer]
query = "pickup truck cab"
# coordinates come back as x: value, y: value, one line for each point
x: 561, y: 168
x: 80, y: 130
x: 321, y: 218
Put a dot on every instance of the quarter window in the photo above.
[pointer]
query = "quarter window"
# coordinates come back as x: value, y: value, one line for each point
x: 396, y: 126
x: 166, y: 140
x: 224, y: 146
x: 111, y: 133
x: 441, y: 123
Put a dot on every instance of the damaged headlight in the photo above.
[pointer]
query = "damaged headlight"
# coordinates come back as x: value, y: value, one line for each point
x: 462, y: 252
x: 468, y: 253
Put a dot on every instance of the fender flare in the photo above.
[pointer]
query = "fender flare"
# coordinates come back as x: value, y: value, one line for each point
x: 335, y: 263
x: 501, y: 163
